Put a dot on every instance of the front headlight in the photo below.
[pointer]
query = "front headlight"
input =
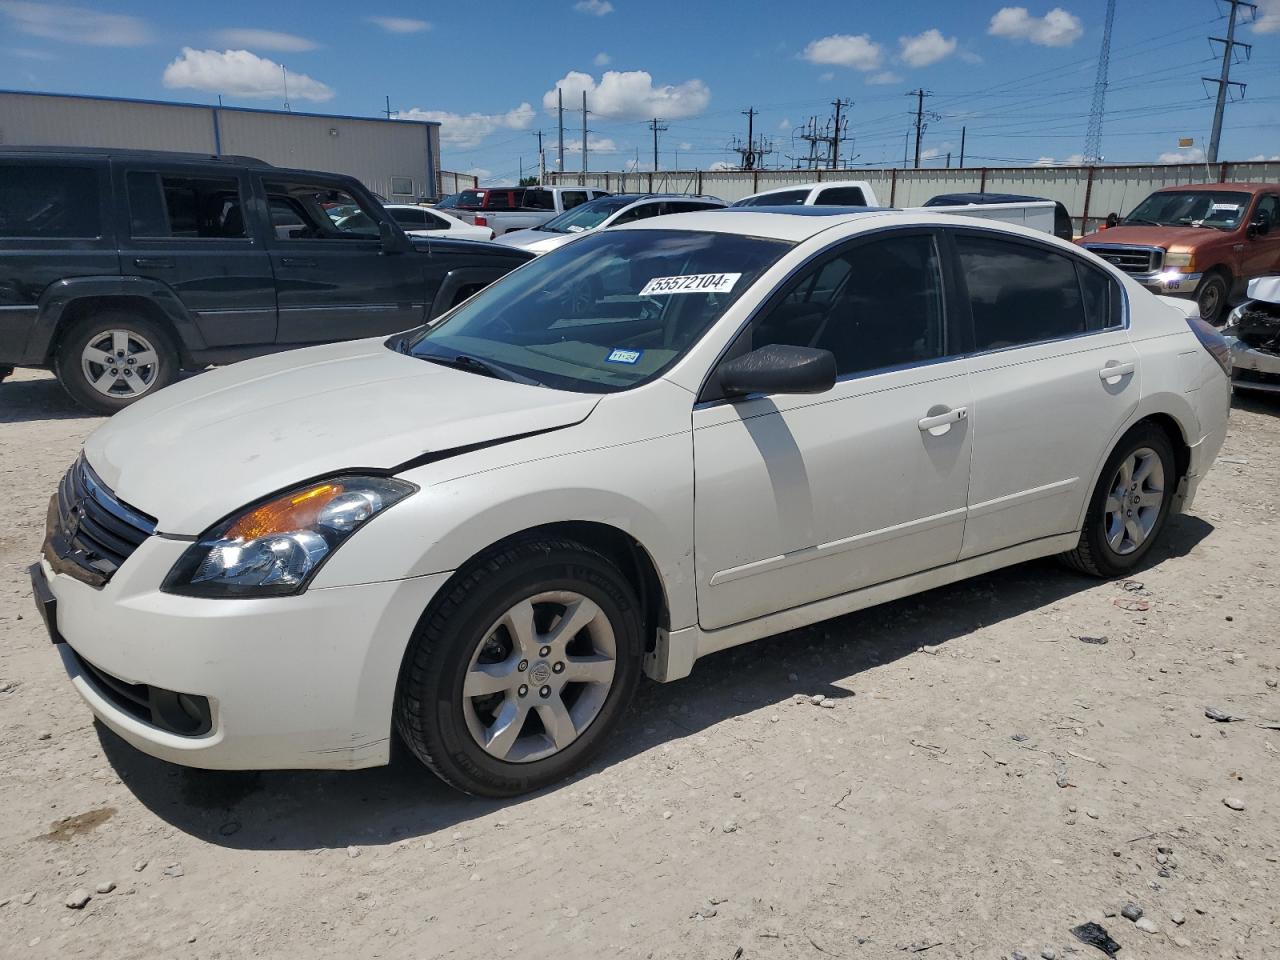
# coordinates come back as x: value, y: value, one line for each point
x: 275, y: 547
x: 1180, y: 258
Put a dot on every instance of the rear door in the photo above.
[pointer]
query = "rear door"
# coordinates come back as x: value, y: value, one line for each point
x: 1053, y: 376
x: 334, y: 280
x: 187, y: 229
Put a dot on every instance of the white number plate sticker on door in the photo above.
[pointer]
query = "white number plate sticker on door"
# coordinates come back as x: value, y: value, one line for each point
x: 693, y: 283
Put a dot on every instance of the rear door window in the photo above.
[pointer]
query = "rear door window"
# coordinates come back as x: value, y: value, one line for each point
x: 184, y: 208
x: 499, y: 200
x: 413, y: 219
x: 842, y: 197
x: 1021, y: 294
x: 49, y: 201
x: 539, y: 199
x: 574, y: 197
x: 783, y: 198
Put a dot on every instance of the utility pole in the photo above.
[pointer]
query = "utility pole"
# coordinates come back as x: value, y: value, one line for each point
x: 948, y: 159
x: 1093, y: 133
x: 749, y: 158
x: 584, y: 134
x: 285, y: 73
x: 920, y: 120
x: 1224, y: 82
x: 654, y: 126
x: 906, y: 146
x: 560, y: 116
x: 962, y: 133
x: 388, y: 111
x: 838, y: 103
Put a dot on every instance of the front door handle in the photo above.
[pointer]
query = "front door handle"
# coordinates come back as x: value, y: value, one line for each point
x: 297, y: 262
x: 1114, y: 371
x: 939, y: 423
x: 153, y: 263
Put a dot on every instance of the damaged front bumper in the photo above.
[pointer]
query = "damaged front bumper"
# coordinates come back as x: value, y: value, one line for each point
x: 1253, y: 368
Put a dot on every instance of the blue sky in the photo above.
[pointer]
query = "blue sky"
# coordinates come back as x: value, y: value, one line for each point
x: 1018, y: 76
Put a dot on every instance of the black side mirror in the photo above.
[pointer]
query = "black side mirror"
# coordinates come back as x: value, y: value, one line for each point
x: 1112, y: 220
x: 1260, y: 226
x: 779, y: 368
x: 393, y: 240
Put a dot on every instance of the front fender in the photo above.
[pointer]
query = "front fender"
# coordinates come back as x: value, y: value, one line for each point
x: 59, y: 296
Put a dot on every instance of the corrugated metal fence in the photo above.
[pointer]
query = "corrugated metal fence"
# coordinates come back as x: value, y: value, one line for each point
x: 448, y: 182
x: 1089, y: 193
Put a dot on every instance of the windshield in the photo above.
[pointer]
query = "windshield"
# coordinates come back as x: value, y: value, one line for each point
x: 449, y: 202
x: 1221, y: 210
x: 586, y: 216
x: 784, y: 198
x: 603, y: 313
x: 471, y: 198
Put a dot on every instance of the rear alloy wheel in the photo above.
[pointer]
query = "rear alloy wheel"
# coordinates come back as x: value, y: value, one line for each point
x: 114, y: 358
x: 518, y: 674
x: 1211, y: 297
x: 1130, y: 504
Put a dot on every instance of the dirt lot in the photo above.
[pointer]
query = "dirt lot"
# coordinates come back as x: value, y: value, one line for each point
x: 985, y: 782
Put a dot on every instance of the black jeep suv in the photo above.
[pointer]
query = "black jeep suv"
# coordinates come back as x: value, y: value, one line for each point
x: 120, y: 268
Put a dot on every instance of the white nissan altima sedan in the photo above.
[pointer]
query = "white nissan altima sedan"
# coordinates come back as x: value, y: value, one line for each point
x: 654, y: 443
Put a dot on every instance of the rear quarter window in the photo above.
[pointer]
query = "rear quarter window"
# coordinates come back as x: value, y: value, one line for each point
x: 49, y: 202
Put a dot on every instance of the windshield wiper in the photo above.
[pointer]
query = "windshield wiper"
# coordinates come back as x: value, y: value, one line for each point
x: 1154, y: 223
x: 486, y: 368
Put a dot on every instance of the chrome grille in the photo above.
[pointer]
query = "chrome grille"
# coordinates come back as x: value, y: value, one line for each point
x: 1133, y: 260
x: 90, y: 532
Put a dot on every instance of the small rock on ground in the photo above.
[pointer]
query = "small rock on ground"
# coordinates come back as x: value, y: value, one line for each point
x: 1131, y: 911
x: 1146, y: 925
x: 1235, y: 803
x: 79, y: 897
x: 106, y: 886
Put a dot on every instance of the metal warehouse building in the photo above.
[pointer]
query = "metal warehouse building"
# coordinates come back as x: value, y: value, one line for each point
x: 400, y: 159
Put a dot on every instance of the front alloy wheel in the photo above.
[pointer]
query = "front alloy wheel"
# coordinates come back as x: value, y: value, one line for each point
x: 521, y: 667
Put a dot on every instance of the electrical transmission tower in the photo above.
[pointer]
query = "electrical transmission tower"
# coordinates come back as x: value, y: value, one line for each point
x: 657, y: 126
x: 839, y: 131
x: 922, y: 119
x: 753, y: 152
x: 1093, y: 133
x: 1224, y: 82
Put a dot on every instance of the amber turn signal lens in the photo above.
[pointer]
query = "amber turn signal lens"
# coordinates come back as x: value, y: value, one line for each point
x: 296, y: 511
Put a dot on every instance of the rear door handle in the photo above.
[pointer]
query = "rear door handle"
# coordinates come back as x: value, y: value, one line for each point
x: 153, y: 263
x: 1114, y: 371
x: 297, y: 262
x: 943, y: 420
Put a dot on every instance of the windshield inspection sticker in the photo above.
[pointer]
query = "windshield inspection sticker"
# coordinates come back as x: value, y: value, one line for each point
x: 618, y: 355
x: 693, y: 283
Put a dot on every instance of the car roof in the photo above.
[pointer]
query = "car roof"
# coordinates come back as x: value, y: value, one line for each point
x: 1251, y: 187
x: 123, y: 153
x: 810, y: 187
x: 990, y: 198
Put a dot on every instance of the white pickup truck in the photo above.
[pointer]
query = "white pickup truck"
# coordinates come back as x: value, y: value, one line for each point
x: 503, y: 209
x: 1045, y: 215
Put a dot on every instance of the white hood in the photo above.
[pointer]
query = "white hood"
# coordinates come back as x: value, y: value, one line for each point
x: 202, y: 448
x: 536, y: 241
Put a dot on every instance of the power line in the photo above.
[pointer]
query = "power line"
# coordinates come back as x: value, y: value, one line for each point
x: 921, y: 120
x: 657, y: 126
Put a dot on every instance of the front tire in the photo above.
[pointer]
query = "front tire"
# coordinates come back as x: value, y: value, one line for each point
x: 113, y: 358
x: 1211, y: 297
x: 1129, y: 506
x: 515, y: 678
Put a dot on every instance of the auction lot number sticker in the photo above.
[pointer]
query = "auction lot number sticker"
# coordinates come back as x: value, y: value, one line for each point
x: 691, y: 283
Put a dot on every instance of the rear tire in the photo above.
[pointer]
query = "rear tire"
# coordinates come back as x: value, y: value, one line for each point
x: 491, y: 697
x: 113, y: 358
x: 1211, y: 297
x: 1124, y: 521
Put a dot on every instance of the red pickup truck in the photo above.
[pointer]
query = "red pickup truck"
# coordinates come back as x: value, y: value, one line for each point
x: 1204, y: 240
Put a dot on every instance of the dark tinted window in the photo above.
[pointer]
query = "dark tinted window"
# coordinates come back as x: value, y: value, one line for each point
x: 641, y: 211
x: 409, y: 218
x: 1019, y: 294
x: 471, y: 199
x: 1102, y: 304
x: 843, y: 197
x: 574, y: 197
x: 539, y: 199
x: 688, y: 206
x: 498, y: 200
x: 184, y: 208
x: 48, y: 201
x: 312, y: 211
x: 783, y: 198
x: 877, y: 305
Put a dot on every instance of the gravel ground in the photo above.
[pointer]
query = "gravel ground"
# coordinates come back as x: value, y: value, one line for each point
x: 982, y: 782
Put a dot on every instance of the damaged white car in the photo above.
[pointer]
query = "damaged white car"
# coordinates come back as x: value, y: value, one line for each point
x: 1253, y: 332
x: 658, y: 441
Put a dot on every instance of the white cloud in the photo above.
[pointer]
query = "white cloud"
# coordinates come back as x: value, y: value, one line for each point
x: 968, y: 56
x: 479, y: 172
x: 845, y: 50
x: 884, y: 77
x: 263, y: 39
x: 685, y: 146
x: 400, y: 24
x: 1074, y: 160
x: 76, y: 24
x: 602, y: 59
x: 469, y: 130
x: 25, y: 54
x: 240, y: 73
x: 1268, y: 17
x: 785, y: 124
x: 1184, y: 155
x: 723, y: 165
x: 826, y: 77
x: 629, y: 95
x: 596, y: 8
x: 1057, y: 28
x: 594, y: 145
x: 1262, y: 157
x: 926, y: 48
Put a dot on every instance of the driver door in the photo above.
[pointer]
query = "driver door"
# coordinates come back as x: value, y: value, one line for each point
x: 334, y: 281
x: 1261, y: 254
x: 803, y: 497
